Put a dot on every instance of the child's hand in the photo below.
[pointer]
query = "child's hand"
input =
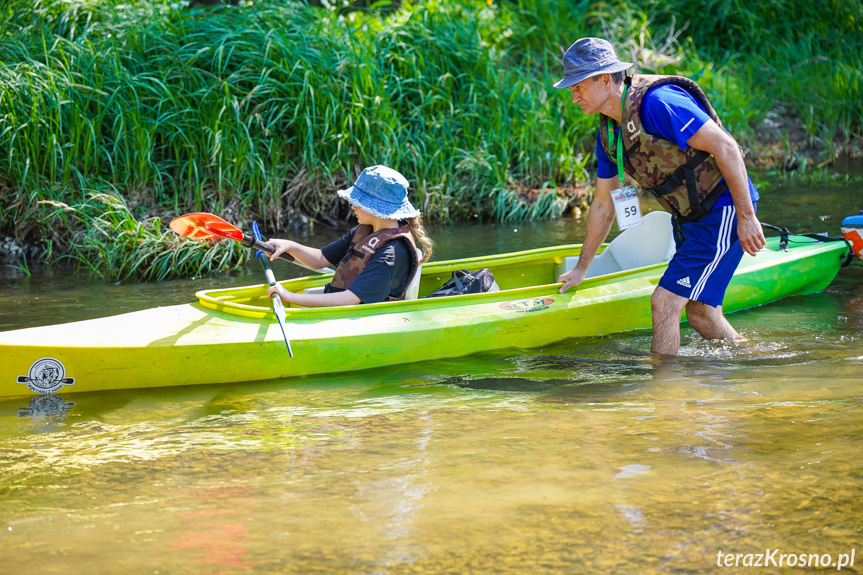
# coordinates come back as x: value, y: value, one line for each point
x: 281, y: 246
x: 284, y: 294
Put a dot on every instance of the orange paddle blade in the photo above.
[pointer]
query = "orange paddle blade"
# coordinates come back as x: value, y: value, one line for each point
x: 855, y: 236
x: 202, y: 226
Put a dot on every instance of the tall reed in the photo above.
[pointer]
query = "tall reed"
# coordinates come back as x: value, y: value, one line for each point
x: 114, y: 245
x: 263, y: 110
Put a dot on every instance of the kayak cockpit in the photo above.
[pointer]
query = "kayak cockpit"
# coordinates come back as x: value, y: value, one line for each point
x: 645, y: 246
x: 512, y: 271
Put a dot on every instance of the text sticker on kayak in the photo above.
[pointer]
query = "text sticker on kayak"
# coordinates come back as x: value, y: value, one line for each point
x: 627, y: 208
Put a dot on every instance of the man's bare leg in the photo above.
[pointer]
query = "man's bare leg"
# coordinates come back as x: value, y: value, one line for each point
x: 709, y: 321
x: 666, y: 308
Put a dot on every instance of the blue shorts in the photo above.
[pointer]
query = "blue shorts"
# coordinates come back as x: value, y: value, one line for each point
x: 706, y: 257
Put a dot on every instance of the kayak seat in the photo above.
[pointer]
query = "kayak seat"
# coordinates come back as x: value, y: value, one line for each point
x: 651, y: 242
x: 413, y: 290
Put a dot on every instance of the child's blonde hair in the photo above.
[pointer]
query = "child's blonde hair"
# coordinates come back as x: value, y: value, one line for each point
x: 425, y: 242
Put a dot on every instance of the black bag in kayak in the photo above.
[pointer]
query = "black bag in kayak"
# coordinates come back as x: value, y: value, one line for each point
x: 464, y: 281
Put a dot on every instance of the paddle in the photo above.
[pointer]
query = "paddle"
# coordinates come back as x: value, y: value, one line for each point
x: 203, y: 226
x: 278, y: 307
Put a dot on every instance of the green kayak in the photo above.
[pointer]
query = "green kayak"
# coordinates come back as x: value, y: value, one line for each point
x: 231, y: 335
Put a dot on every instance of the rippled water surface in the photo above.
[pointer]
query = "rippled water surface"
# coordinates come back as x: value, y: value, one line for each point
x: 585, y: 457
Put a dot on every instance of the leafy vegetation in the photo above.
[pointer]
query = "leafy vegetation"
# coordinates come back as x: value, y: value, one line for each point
x: 116, y: 113
x: 111, y: 243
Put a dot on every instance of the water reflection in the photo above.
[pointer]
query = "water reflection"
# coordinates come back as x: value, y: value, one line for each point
x: 46, y: 406
x: 213, y: 522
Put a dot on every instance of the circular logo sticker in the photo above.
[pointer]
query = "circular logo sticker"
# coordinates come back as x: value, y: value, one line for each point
x: 46, y: 375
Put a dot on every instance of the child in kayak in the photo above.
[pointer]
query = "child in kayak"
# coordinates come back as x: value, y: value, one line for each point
x: 377, y: 259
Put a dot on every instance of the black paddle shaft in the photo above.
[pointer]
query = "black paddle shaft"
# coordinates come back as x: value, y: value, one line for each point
x: 250, y: 242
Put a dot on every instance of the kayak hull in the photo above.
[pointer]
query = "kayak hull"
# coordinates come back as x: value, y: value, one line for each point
x: 231, y: 335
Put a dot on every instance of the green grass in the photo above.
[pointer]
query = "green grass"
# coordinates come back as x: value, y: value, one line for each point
x: 262, y: 111
x: 112, y: 244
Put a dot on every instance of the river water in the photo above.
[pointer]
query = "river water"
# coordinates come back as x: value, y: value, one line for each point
x: 586, y: 457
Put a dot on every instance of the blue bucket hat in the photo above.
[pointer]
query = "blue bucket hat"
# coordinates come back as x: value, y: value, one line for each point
x: 382, y: 192
x: 589, y: 57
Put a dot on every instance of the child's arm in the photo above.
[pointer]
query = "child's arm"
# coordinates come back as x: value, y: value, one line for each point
x: 346, y: 297
x: 310, y: 257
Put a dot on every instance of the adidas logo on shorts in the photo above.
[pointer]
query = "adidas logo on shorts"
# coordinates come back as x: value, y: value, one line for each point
x: 684, y: 282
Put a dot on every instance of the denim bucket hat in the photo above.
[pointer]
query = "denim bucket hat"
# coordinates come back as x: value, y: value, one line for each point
x: 382, y: 192
x: 589, y: 57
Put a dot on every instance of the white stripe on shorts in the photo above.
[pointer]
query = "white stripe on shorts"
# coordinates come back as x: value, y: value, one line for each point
x: 723, y: 242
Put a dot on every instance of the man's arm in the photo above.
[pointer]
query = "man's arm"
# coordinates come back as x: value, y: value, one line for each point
x: 599, y: 219
x: 714, y: 140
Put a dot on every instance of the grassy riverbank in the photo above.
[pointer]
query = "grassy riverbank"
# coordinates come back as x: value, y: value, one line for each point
x: 261, y: 111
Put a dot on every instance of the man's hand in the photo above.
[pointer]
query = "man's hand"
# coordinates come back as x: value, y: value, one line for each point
x: 571, y: 279
x: 751, y: 235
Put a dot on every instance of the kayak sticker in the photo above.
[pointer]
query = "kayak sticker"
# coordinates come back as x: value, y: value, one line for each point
x: 46, y: 375
x: 529, y: 304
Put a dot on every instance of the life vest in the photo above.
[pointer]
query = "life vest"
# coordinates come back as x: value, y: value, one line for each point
x: 683, y: 181
x: 363, y: 245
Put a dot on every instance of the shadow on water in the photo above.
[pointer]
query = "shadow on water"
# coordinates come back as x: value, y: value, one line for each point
x: 587, y: 373
x: 513, y: 384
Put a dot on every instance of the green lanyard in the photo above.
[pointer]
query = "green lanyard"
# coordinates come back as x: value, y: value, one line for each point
x: 619, y: 138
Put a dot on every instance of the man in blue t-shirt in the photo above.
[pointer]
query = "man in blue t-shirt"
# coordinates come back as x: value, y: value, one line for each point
x: 713, y: 243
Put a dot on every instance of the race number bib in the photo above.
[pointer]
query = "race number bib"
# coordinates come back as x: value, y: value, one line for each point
x: 626, y: 206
